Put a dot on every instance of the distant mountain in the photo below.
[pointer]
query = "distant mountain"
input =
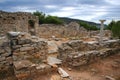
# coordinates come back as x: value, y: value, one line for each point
x: 68, y: 20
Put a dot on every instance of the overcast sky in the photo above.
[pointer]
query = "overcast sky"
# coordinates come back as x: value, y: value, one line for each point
x: 90, y: 10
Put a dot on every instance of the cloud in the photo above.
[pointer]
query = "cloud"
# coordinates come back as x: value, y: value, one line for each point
x: 67, y: 8
x: 23, y: 9
x: 50, y: 6
x: 90, y: 10
x: 113, y: 2
x: 62, y: 14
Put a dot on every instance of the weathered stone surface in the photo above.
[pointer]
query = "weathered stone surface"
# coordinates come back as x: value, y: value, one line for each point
x: 2, y: 59
x: 16, y: 47
x: 77, y: 53
x: 112, y: 43
x: 10, y: 60
x: 2, y: 50
x: 43, y: 67
x: 63, y: 73
x: 53, y: 61
x: 109, y: 78
x: 27, y: 53
x: 24, y: 41
x: 52, y: 47
x: 22, y: 64
x: 75, y: 44
x: 13, y: 34
x: 6, y: 54
x: 26, y: 48
x: 17, y: 21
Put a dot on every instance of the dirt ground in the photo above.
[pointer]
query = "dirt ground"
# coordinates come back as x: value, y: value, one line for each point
x: 105, y: 69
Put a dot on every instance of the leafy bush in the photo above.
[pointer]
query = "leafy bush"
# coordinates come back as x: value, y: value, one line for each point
x: 53, y: 19
x: 109, y: 27
x: 116, y: 29
x: 41, y: 16
x: 47, y: 19
x: 88, y: 26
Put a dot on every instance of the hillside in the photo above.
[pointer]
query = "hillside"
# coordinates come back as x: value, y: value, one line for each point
x: 68, y: 20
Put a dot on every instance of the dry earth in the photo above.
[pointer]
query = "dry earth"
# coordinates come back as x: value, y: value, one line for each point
x: 105, y: 69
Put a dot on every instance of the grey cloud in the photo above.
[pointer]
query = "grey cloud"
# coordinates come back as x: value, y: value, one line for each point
x: 81, y: 7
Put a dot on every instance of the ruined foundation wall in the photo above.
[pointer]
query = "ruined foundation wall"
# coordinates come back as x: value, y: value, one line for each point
x: 49, y: 30
x: 17, y: 21
x: 68, y: 30
x: 20, y: 55
x: 77, y: 53
x: 6, y: 62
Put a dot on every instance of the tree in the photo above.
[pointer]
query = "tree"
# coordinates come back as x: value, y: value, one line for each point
x: 41, y: 16
x: 47, y: 19
x: 109, y: 27
x: 116, y: 29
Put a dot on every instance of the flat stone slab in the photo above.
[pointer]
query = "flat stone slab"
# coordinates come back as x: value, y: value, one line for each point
x: 52, y: 61
x: 52, y: 47
x: 13, y: 34
x: 63, y: 73
x: 43, y: 66
x: 22, y: 64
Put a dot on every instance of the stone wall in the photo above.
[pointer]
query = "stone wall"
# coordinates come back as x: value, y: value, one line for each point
x: 77, y: 53
x: 72, y: 29
x: 18, y: 21
x: 69, y: 30
x: 20, y: 55
x: 6, y: 62
x: 27, y: 51
x: 26, y: 22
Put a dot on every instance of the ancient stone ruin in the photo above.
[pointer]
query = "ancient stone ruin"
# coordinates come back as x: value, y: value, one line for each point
x: 18, y: 21
x: 77, y: 52
x: 28, y: 50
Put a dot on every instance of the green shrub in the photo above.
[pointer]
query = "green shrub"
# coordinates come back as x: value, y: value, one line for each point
x: 116, y: 29
x: 88, y: 26
x: 47, y: 19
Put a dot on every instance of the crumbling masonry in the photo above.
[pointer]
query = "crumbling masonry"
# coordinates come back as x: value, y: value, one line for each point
x: 19, y: 21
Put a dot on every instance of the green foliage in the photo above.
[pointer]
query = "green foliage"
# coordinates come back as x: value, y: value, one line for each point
x: 47, y: 19
x: 88, y: 26
x: 116, y: 29
x: 53, y: 20
x: 41, y: 16
x: 109, y: 27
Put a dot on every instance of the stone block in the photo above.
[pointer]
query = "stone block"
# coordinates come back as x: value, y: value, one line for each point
x: 2, y: 59
x: 16, y: 47
x: 26, y: 45
x: 22, y: 64
x: 9, y: 60
x: 24, y: 41
x: 15, y: 58
x: 6, y: 54
x: 26, y: 48
x: 2, y: 51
